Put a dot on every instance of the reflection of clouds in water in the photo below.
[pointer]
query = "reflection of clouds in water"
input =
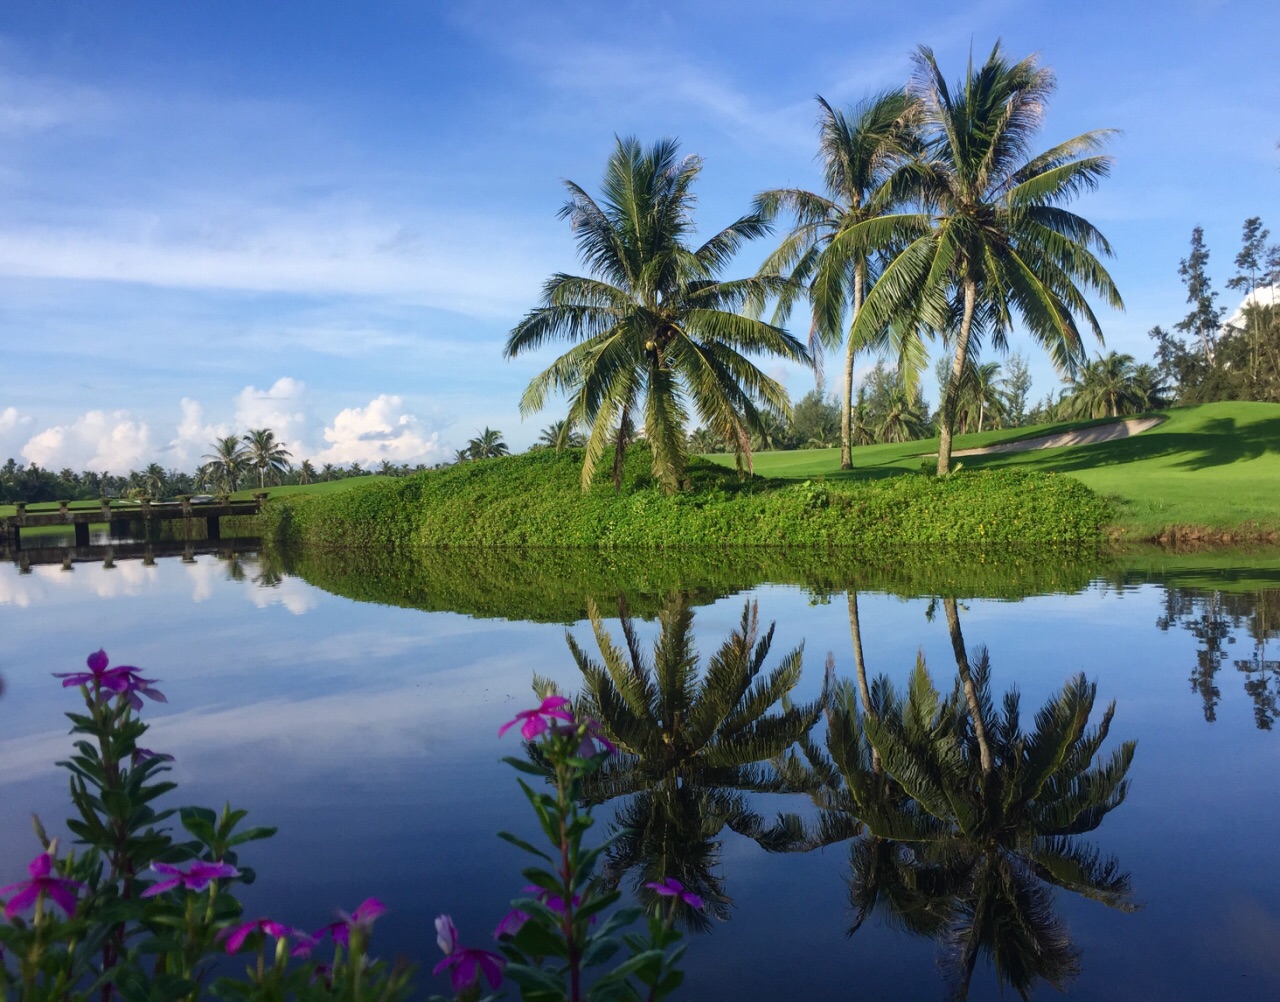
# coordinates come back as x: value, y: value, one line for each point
x: 19, y: 590
x: 125, y: 579
x: 293, y: 593
x: 447, y: 716
x: 202, y: 574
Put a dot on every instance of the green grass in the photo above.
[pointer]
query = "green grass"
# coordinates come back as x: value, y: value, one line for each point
x: 1210, y: 469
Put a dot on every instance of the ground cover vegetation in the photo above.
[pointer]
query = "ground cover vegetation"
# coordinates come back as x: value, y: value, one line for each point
x: 536, y: 500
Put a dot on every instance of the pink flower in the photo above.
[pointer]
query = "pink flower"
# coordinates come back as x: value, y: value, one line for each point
x: 236, y: 935
x: 672, y: 888
x: 196, y: 877
x: 538, y: 720
x: 123, y: 681
x: 465, y: 964
x: 42, y: 884
x: 340, y: 932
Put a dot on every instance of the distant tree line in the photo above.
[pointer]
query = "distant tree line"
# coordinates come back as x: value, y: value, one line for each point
x: 234, y: 463
x: 1204, y: 359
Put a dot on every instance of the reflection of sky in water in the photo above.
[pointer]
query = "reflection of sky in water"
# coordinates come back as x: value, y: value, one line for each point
x: 368, y: 734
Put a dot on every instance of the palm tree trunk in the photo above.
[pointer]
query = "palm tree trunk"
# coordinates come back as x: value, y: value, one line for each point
x: 860, y: 668
x: 970, y: 690
x: 846, y: 408
x: 620, y: 448
x: 949, y: 399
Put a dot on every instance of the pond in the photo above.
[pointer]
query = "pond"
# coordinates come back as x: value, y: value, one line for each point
x: 354, y: 702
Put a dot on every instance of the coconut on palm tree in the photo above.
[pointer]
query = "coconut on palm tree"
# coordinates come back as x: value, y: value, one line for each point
x: 655, y: 330
x: 867, y: 160
x: 266, y: 455
x: 995, y: 239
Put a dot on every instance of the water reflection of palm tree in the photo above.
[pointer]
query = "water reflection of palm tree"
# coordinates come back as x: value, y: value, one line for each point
x: 691, y: 745
x: 963, y: 821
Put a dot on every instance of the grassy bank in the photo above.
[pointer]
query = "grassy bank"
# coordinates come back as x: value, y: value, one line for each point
x: 534, y: 500
x: 1211, y: 470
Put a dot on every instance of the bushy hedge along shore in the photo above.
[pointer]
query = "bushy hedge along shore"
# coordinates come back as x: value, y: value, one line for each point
x: 534, y: 500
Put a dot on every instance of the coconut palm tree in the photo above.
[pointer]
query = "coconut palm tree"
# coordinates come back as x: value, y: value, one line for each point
x: 561, y: 435
x: 307, y: 473
x: 867, y: 160
x: 655, y: 330
x: 995, y: 240
x: 905, y: 419
x: 328, y: 472
x: 226, y: 464
x: 1104, y: 387
x: 487, y: 444
x: 153, y: 480
x: 266, y: 455
x: 981, y: 394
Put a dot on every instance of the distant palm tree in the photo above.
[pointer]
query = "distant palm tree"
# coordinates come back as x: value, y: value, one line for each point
x: 1105, y: 387
x: 356, y: 470
x: 462, y: 455
x: 654, y: 329
x: 905, y: 420
x: 561, y: 435
x: 388, y: 469
x: 268, y: 456
x: 153, y: 480
x: 226, y: 464
x: 327, y: 472
x: 306, y: 473
x: 488, y: 444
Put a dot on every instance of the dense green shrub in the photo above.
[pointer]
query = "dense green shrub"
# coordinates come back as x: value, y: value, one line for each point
x: 534, y: 500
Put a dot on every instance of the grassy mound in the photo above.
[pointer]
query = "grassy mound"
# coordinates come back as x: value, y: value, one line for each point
x: 1209, y: 471
x: 534, y: 500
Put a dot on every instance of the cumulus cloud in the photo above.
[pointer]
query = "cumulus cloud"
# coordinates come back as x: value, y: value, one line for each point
x: 193, y: 438
x: 279, y: 408
x: 13, y: 431
x: 382, y: 430
x: 98, y: 440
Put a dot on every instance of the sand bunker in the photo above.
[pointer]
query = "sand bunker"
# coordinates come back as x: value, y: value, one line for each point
x: 1081, y: 436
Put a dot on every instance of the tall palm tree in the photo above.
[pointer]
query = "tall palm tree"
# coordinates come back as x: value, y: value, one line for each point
x: 655, y: 330
x: 982, y: 394
x: 867, y: 166
x: 266, y: 455
x: 153, y: 480
x: 905, y: 420
x: 307, y: 473
x: 995, y: 240
x: 226, y: 464
x: 328, y: 472
x: 487, y: 444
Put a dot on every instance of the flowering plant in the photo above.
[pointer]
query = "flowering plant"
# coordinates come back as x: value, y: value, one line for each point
x: 560, y: 931
x: 134, y: 913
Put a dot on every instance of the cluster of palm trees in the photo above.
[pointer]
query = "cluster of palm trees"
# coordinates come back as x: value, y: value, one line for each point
x: 1113, y: 386
x: 960, y: 821
x: 235, y: 458
x: 487, y: 444
x: 938, y: 222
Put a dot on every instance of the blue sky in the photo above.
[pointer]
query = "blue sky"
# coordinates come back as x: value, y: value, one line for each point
x: 325, y: 217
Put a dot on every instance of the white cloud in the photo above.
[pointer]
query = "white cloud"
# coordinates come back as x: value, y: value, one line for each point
x: 278, y: 408
x: 97, y: 440
x: 13, y: 431
x: 380, y: 431
x: 193, y: 438
x: 293, y: 593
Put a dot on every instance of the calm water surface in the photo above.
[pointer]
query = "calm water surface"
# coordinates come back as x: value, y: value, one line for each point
x: 368, y: 734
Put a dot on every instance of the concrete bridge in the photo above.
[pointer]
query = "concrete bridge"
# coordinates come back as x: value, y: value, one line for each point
x: 82, y: 515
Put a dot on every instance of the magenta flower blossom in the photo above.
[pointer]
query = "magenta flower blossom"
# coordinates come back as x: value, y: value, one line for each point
x: 141, y: 755
x: 511, y: 923
x: 195, y: 878
x: 236, y: 935
x: 593, y: 740
x: 537, y: 721
x: 123, y: 681
x: 340, y: 932
x: 97, y: 662
x: 465, y: 964
x: 515, y: 919
x: 672, y: 888
x: 41, y: 884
